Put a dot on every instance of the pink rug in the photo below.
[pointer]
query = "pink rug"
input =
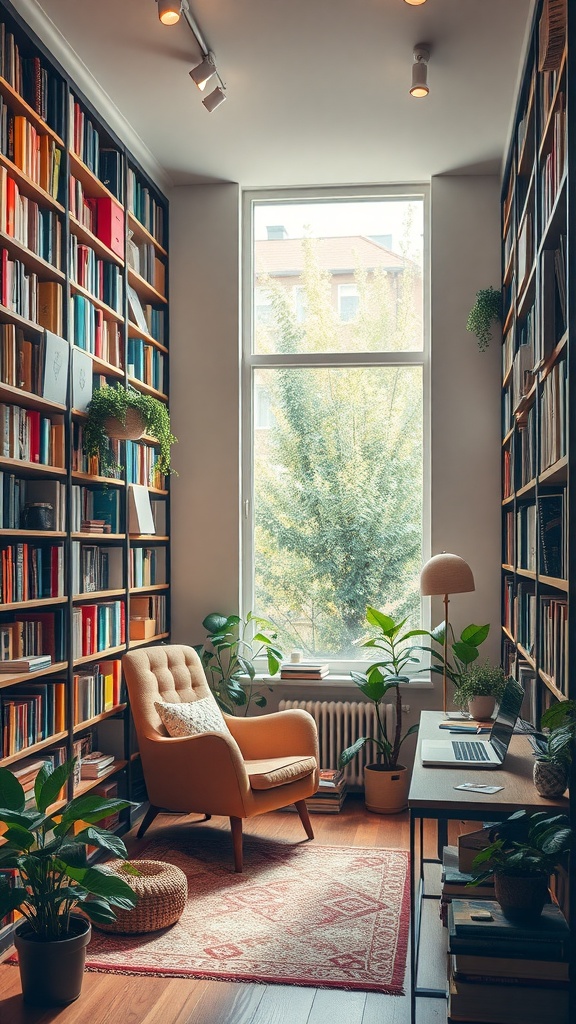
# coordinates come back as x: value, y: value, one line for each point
x: 302, y: 914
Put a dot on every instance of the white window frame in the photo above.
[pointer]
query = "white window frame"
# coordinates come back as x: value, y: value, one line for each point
x: 251, y: 361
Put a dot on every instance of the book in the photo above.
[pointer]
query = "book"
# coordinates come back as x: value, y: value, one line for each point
x: 495, y: 1003
x: 330, y: 777
x: 472, y: 726
x: 56, y: 355
x: 547, y: 939
x: 33, y: 664
x: 81, y: 379
x: 140, y: 518
x: 303, y: 670
x: 471, y: 967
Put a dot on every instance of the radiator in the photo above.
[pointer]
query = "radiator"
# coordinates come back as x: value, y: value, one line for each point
x: 339, y: 724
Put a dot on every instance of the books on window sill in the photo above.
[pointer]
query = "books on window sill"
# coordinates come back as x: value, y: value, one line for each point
x: 95, y: 764
x: 303, y: 670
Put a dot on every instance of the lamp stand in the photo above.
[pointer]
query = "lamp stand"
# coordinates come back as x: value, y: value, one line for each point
x: 444, y: 678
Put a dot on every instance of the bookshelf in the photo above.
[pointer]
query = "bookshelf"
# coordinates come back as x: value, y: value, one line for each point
x: 83, y: 269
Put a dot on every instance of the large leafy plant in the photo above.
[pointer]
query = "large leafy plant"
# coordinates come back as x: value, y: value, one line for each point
x: 559, y: 721
x: 384, y: 675
x: 51, y: 860
x: 235, y: 643
x: 525, y: 845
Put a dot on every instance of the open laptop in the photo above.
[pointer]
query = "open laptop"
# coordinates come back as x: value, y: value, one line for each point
x: 481, y: 752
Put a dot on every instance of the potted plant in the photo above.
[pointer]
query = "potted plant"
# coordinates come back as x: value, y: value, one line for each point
x: 524, y: 850
x: 49, y: 860
x: 122, y: 412
x: 464, y: 651
x: 386, y: 781
x: 486, y: 311
x: 481, y: 687
x: 235, y: 644
x: 552, y: 764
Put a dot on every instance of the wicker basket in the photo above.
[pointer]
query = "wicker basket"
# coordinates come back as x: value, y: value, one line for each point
x: 130, y: 430
x: 162, y: 891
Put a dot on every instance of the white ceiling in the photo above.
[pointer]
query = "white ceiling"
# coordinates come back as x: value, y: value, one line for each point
x: 317, y: 89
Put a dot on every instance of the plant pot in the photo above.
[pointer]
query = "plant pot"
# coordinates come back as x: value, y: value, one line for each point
x: 131, y: 430
x: 385, y: 789
x: 550, y: 779
x: 481, y: 708
x: 51, y: 972
x: 521, y: 898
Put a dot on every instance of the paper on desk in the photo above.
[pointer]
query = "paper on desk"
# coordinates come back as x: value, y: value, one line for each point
x: 474, y: 787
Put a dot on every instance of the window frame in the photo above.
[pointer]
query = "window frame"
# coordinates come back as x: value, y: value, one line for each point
x: 250, y: 361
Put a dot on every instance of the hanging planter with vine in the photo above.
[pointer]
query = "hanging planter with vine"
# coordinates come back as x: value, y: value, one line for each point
x: 486, y: 311
x: 116, y: 411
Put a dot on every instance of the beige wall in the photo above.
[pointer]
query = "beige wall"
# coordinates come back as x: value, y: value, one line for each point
x: 465, y: 416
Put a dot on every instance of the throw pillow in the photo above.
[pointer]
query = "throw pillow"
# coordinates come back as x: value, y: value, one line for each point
x: 191, y: 719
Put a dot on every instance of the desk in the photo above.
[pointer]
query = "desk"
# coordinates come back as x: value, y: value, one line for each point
x: 432, y: 795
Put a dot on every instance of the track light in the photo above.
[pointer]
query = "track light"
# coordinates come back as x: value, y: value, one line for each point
x: 204, y: 71
x: 214, y: 99
x: 169, y: 11
x: 420, y: 71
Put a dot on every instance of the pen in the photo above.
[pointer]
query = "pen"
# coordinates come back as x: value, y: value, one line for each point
x: 471, y: 732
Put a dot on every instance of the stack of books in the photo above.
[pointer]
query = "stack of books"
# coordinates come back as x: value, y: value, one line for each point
x: 95, y: 526
x: 303, y: 670
x: 455, y: 883
x: 331, y: 792
x: 95, y: 764
x: 505, y: 973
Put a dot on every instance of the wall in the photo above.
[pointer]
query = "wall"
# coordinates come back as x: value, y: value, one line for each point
x: 465, y: 414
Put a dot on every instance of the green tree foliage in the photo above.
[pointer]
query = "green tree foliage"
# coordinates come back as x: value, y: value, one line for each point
x: 338, y: 475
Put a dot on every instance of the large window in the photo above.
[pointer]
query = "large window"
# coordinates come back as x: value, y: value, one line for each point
x: 334, y: 471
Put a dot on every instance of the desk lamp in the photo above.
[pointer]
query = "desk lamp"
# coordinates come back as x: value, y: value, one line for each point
x: 446, y: 574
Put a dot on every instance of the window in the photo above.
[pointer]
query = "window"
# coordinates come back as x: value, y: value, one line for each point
x: 336, y: 372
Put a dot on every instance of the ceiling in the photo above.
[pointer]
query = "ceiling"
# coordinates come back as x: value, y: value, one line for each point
x: 317, y: 89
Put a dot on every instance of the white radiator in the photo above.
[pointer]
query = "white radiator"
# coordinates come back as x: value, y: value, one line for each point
x: 339, y: 724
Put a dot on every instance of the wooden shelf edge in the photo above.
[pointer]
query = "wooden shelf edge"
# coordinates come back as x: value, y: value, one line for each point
x: 27, y: 751
x: 99, y: 595
x: 23, y: 677
x: 80, y: 726
x: 85, y: 785
x: 104, y: 655
x: 149, y: 640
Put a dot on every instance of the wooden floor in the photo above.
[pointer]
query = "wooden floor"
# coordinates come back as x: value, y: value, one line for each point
x: 108, y: 998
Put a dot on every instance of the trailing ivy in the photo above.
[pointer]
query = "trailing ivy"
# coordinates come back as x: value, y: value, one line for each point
x: 115, y: 401
x: 484, y: 313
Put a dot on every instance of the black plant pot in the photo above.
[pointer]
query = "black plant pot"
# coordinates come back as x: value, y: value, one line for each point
x: 51, y: 972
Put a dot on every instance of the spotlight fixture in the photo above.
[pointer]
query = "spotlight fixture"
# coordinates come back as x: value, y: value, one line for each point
x: 204, y: 71
x: 420, y: 71
x: 215, y: 98
x: 169, y: 11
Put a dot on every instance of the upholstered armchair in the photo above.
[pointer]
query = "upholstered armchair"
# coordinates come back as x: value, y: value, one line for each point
x: 259, y: 764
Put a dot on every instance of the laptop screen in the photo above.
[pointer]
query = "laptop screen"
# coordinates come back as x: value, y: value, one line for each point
x: 501, y: 732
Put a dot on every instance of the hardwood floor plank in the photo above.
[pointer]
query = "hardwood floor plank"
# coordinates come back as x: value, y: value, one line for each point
x: 222, y: 1002
x: 331, y: 1005
x: 382, y: 1009
x: 282, y: 1004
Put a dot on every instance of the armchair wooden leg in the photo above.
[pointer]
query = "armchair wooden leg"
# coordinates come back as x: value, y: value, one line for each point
x: 300, y: 806
x: 236, y: 826
x: 147, y: 820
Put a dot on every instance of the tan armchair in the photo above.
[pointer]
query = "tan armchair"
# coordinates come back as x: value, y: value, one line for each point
x: 262, y: 764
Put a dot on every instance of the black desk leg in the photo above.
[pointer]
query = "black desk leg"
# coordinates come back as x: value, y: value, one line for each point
x: 441, y: 836
x: 412, y: 922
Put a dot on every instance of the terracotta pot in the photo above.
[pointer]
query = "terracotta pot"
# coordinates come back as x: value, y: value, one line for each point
x: 386, y: 789
x: 481, y: 708
x: 550, y: 779
x: 131, y: 430
x: 52, y: 972
x: 522, y: 898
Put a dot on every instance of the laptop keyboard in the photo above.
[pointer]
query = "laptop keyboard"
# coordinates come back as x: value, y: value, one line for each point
x: 469, y: 750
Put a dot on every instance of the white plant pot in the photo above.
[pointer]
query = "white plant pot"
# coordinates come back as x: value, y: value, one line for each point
x: 385, y: 789
x: 481, y: 708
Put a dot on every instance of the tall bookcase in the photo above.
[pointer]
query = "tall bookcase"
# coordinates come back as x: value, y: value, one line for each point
x: 83, y: 286
x: 538, y: 391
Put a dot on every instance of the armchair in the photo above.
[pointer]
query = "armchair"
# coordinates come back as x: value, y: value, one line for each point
x: 260, y: 765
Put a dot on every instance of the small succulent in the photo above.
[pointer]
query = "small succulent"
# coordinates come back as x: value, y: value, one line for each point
x: 486, y: 310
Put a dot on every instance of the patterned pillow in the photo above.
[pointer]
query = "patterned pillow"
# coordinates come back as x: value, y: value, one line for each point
x: 191, y: 719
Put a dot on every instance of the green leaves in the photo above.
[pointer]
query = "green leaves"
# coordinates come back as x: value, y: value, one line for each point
x: 350, y: 753
x: 102, y: 883
x: 49, y: 783
x: 12, y: 796
x: 89, y: 808
x: 230, y: 664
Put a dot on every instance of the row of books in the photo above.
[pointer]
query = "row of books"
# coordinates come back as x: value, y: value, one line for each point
x: 526, y: 537
x: 552, y: 301
x: 95, y: 568
x: 92, y: 332
x: 525, y: 249
x: 97, y: 691
x: 553, y: 413
x: 146, y: 363
x: 536, y: 536
x: 31, y: 714
x: 24, y: 294
x: 547, y: 84
x: 95, y: 503
x: 155, y: 321
x: 82, y: 463
x: 523, y: 361
x: 83, y: 136
x: 101, y: 278
x: 27, y: 435
x: 35, y: 365
x: 31, y: 572
x: 304, y: 670
x: 33, y: 633
x: 554, y: 163
x: 36, y: 82
x: 142, y: 257
x: 38, y: 229
x: 141, y: 465
x: 16, y: 493
x: 102, y: 216
x: 36, y: 154
x: 519, y: 612
x: 147, y: 566
x: 144, y: 207
x: 97, y: 627
x: 553, y: 640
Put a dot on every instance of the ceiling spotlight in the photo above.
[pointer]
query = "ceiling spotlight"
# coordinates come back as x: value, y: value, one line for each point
x: 169, y: 11
x: 203, y: 72
x: 214, y: 99
x: 420, y: 71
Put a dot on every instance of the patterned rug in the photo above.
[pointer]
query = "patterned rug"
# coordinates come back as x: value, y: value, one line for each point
x: 301, y: 914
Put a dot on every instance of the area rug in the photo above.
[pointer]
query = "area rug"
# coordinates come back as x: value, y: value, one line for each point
x: 301, y: 914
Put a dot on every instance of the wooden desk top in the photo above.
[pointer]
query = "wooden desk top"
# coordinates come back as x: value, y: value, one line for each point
x: 432, y: 788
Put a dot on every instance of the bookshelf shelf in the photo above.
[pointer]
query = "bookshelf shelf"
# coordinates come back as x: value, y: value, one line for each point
x: 149, y: 589
x: 147, y: 389
x: 22, y: 605
x: 108, y: 369
x: 104, y: 655
x: 45, y: 270
x: 141, y: 234
x: 30, y: 468
x: 136, y: 332
x: 85, y: 785
x: 95, y: 243
x: 90, y: 478
x: 28, y: 399
x: 81, y: 726
x: 99, y: 595
x: 145, y: 290
x: 111, y: 314
x: 20, y: 106
x: 551, y: 685
x: 151, y: 538
x: 556, y: 473
x: 150, y: 640
x: 34, y: 748
x: 28, y: 534
x: 92, y: 185
x: 99, y: 538
x: 9, y: 316
x: 28, y: 187
x: 23, y: 677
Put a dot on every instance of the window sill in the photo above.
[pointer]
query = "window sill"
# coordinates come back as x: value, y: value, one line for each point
x: 334, y: 681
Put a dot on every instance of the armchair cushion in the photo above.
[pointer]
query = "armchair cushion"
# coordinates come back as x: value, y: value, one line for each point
x: 271, y: 772
x: 191, y: 719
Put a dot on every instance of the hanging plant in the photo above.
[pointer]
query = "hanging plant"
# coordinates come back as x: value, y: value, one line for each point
x: 486, y: 311
x: 112, y: 412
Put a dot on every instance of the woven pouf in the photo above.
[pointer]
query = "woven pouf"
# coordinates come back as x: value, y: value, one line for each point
x: 162, y: 891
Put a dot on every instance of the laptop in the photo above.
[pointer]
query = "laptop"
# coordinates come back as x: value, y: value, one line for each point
x: 481, y: 752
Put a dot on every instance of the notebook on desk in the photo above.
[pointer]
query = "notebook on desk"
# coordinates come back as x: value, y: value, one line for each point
x: 487, y: 752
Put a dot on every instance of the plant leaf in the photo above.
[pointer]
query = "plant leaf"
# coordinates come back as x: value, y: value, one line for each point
x: 215, y: 622
x: 475, y: 635
x: 101, y: 837
x: 91, y: 809
x: 105, y: 884
x: 11, y: 793
x: 48, y: 790
x: 347, y: 755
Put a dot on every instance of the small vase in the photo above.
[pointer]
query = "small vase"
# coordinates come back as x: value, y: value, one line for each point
x: 550, y: 779
x: 481, y: 708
